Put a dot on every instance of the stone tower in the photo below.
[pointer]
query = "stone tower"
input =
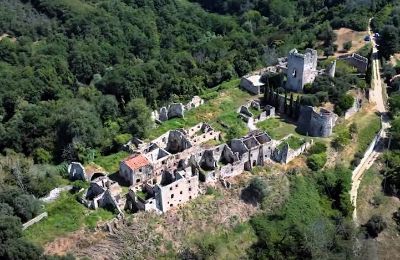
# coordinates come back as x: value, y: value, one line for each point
x: 301, y: 69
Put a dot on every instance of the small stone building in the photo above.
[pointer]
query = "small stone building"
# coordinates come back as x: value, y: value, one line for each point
x: 136, y: 169
x: 252, y: 84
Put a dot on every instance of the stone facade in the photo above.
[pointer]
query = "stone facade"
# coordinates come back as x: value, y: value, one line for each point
x: 285, y: 154
x: 77, y: 171
x: 252, y: 84
x: 357, y: 61
x: 265, y: 112
x: 175, y: 110
x: 301, y: 69
x: 312, y: 122
x: 103, y: 192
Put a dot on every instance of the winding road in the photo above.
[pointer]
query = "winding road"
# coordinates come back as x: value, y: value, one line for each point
x: 376, y: 96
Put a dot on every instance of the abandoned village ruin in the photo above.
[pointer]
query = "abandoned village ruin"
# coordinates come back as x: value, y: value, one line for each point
x: 169, y: 171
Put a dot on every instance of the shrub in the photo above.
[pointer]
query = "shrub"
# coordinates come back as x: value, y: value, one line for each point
x: 316, y: 161
x: 122, y: 139
x: 255, y: 192
x: 375, y: 225
x: 318, y: 147
x: 347, y: 45
x: 42, y: 156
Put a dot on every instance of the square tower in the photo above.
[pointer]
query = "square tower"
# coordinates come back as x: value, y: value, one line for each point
x: 301, y: 69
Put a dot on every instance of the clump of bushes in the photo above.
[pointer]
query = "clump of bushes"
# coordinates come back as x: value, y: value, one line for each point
x: 317, y: 156
x: 255, y: 192
x: 375, y: 225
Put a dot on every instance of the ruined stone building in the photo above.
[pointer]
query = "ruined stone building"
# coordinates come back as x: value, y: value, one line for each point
x: 284, y: 153
x: 316, y: 122
x: 175, y: 110
x: 88, y: 173
x: 252, y: 84
x: 265, y: 112
x: 103, y: 192
x: 176, y: 189
x: 355, y: 60
x: 301, y: 69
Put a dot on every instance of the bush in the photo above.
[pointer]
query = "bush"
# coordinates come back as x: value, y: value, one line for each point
x: 316, y: 161
x: 255, y: 192
x: 347, y: 45
x: 26, y: 207
x: 42, y: 156
x: 318, y: 147
x: 375, y: 225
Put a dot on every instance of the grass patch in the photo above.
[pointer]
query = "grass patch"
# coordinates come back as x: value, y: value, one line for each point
x: 277, y: 128
x: 219, y: 110
x: 66, y: 215
x: 367, y: 129
x: 111, y: 162
x: 294, y: 142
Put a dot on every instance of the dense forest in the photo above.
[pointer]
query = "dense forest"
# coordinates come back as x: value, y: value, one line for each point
x: 78, y: 78
x: 77, y: 73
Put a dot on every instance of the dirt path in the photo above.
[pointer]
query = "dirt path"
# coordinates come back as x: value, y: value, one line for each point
x: 376, y: 96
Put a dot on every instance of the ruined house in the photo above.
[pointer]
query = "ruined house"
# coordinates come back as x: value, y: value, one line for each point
x: 254, y: 149
x: 179, y: 188
x: 77, y: 171
x: 301, y: 69
x: 104, y: 192
x: 175, y: 110
x: 264, y: 112
x: 252, y: 84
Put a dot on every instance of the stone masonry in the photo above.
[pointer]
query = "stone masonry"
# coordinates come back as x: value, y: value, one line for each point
x: 301, y: 69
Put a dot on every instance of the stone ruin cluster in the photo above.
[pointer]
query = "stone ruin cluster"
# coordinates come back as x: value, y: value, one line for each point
x: 263, y: 112
x: 300, y: 69
x: 175, y: 110
x: 166, y: 172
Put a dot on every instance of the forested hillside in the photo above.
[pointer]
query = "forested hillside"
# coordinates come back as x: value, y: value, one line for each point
x: 70, y: 70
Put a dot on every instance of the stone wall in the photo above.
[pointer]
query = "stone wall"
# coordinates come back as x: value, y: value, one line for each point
x: 36, y: 219
x: 357, y: 61
x: 313, y: 123
x: 175, y: 110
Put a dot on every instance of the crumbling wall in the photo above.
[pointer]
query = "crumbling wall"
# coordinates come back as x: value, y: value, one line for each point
x: 312, y: 123
x: 232, y: 169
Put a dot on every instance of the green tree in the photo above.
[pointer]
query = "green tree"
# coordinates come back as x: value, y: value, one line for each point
x: 138, y: 118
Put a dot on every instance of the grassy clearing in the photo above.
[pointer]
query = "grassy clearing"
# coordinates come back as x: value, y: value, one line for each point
x: 295, y: 142
x: 367, y: 129
x: 219, y: 110
x: 110, y: 162
x: 277, y: 128
x: 66, y: 215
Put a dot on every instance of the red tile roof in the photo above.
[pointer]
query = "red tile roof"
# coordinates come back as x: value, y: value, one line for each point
x: 136, y: 162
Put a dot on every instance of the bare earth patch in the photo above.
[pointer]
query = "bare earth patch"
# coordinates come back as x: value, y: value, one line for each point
x: 344, y: 35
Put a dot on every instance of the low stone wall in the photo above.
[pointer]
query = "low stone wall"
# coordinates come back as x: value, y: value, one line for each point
x: 34, y: 220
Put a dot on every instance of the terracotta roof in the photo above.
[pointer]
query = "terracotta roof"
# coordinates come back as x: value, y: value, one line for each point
x: 136, y: 162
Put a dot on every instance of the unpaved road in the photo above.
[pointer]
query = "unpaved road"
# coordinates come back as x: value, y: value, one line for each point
x: 376, y: 96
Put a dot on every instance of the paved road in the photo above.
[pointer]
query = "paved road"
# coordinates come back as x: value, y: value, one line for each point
x: 376, y: 96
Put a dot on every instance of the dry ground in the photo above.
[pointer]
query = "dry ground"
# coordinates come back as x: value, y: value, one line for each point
x: 387, y: 244
x: 345, y: 35
x: 150, y: 236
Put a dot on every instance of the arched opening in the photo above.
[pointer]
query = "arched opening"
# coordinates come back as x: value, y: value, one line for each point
x: 97, y: 175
